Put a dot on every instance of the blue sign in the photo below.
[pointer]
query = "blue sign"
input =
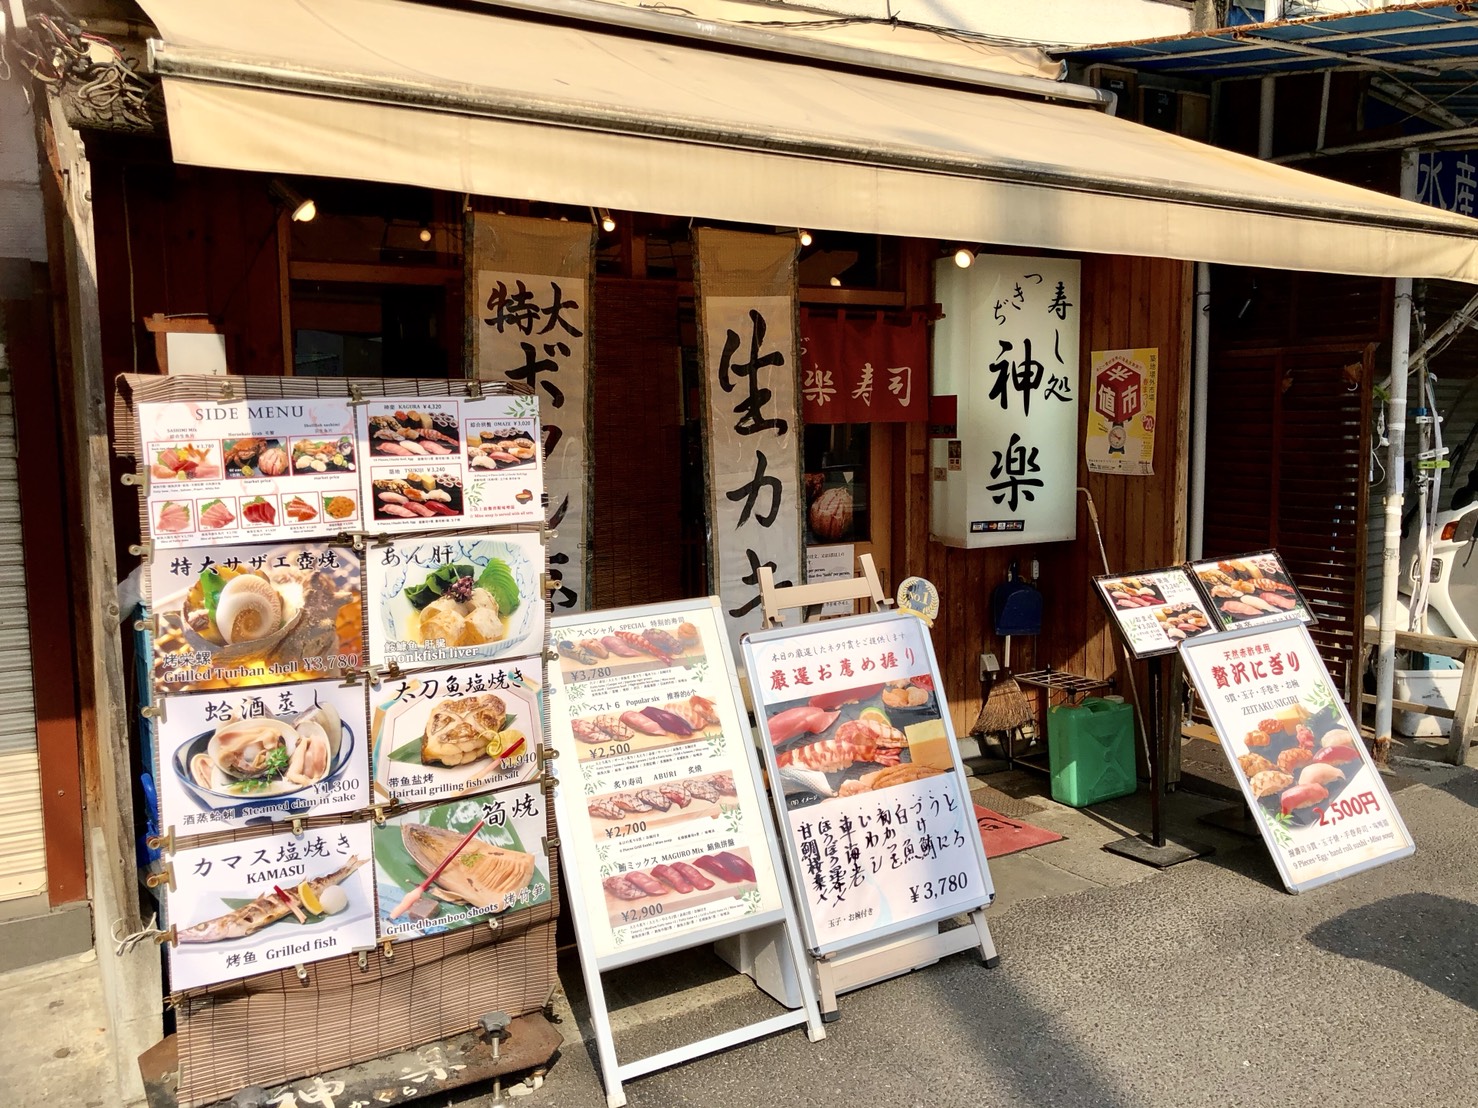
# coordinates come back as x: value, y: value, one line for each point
x: 1448, y: 179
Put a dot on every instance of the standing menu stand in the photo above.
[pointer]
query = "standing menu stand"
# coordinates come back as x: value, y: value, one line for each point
x: 872, y: 895
x: 663, y: 826
x: 1154, y: 611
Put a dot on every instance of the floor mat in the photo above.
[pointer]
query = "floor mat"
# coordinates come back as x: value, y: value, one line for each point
x: 1003, y: 836
x: 997, y: 800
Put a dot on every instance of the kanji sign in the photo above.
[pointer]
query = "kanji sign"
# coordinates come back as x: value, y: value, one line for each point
x: 1006, y: 352
x: 863, y: 369
x: 1121, y: 411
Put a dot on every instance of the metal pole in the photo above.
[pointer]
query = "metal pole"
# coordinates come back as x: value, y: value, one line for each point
x: 1269, y: 91
x: 1160, y: 744
x: 1385, y: 673
x: 1200, y: 378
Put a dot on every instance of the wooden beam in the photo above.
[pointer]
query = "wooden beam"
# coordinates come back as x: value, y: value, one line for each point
x: 362, y: 274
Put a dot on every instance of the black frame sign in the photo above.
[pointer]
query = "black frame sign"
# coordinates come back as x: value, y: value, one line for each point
x: 1155, y: 611
x: 1249, y: 590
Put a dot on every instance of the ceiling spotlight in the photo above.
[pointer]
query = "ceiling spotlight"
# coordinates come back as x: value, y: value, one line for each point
x: 425, y: 235
x: 607, y: 224
x: 301, y: 207
x: 805, y: 237
x: 836, y: 282
x: 964, y: 257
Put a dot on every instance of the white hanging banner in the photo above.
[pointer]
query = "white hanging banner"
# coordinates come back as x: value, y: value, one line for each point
x: 747, y: 309
x: 530, y: 325
x: 1006, y: 360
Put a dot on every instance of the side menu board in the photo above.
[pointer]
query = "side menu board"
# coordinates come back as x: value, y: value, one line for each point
x: 660, y: 804
x: 1155, y: 610
x: 875, y: 810
x: 1251, y: 589
x: 1319, y: 800
x: 296, y: 468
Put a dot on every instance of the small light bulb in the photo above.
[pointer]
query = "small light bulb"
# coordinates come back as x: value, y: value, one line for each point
x: 805, y: 237
x: 836, y: 282
x: 607, y: 224
x: 305, y: 212
x: 964, y: 258
x: 425, y: 235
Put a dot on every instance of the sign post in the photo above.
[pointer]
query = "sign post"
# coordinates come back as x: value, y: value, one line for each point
x: 1318, y: 799
x: 1153, y: 611
x: 872, y: 800
x: 663, y: 827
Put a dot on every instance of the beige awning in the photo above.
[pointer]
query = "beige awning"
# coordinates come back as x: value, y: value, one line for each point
x: 495, y: 105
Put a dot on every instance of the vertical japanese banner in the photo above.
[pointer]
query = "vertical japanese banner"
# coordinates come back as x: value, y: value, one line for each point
x: 746, y: 288
x: 1121, y: 411
x: 1006, y: 353
x: 529, y: 319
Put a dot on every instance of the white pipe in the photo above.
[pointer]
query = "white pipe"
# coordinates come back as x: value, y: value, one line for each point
x: 649, y: 20
x: 1385, y: 672
x: 1200, y: 378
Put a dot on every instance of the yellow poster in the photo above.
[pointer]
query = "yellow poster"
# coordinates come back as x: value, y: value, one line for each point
x: 1121, y: 411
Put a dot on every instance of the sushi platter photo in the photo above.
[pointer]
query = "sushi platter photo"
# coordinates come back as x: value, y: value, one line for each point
x: 1155, y: 609
x: 1251, y: 589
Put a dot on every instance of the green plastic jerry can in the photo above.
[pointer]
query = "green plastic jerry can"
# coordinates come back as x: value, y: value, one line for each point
x: 1090, y: 748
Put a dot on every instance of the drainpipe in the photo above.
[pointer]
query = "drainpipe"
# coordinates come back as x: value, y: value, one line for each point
x: 1200, y: 377
x: 1385, y: 672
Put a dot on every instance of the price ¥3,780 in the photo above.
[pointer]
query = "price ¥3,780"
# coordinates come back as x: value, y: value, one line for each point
x: 939, y: 887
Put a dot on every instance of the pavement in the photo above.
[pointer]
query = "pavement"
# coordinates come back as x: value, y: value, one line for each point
x: 1120, y: 986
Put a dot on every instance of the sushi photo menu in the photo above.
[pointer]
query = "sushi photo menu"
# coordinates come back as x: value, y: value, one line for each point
x: 658, y: 800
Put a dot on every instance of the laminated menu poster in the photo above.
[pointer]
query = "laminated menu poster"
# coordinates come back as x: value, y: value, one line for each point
x: 1155, y: 610
x: 281, y: 468
x: 452, y: 462
x: 1251, y: 589
x: 445, y: 732
x: 1319, y: 801
x: 660, y: 804
x: 270, y: 903
x: 876, y: 813
x: 254, y: 615
x: 454, y: 865
x: 244, y: 757
x: 250, y: 470
x: 455, y: 599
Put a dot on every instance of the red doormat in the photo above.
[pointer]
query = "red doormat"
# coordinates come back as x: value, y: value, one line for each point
x: 1006, y: 836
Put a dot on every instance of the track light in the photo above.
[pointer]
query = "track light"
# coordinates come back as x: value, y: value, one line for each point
x: 607, y: 224
x: 301, y: 207
x: 425, y: 235
x: 964, y: 257
x: 836, y: 282
x: 805, y: 237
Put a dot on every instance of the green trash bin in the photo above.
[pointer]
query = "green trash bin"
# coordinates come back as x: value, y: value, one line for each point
x: 1090, y: 747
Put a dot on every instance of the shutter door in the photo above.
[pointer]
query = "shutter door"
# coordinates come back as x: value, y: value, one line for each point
x: 22, y: 842
x: 1285, y: 448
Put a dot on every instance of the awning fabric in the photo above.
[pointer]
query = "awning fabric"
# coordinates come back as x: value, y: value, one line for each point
x: 477, y: 102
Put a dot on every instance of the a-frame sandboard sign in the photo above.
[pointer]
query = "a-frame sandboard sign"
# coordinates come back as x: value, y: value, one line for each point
x: 664, y: 830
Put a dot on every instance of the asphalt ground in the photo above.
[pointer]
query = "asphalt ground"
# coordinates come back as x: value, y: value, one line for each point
x: 1206, y: 984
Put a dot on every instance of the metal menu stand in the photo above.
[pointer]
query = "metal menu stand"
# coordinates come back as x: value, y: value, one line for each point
x: 646, y: 880
x: 884, y: 949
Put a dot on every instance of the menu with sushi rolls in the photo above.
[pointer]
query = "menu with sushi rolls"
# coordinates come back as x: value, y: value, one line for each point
x: 660, y: 807
x: 1250, y: 590
x: 250, y: 470
x: 239, y: 757
x: 875, y: 812
x: 1155, y: 610
x: 1317, y: 796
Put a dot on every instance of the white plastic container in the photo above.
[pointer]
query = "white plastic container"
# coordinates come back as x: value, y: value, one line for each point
x: 1437, y: 687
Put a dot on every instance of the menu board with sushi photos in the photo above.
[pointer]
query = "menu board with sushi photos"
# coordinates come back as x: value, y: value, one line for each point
x: 1155, y: 610
x: 250, y: 470
x: 450, y: 600
x: 269, y: 903
x: 1319, y: 800
x: 875, y: 812
x: 452, y: 461
x: 300, y: 468
x: 1250, y: 590
x: 239, y: 757
x: 233, y: 616
x: 448, y: 732
x: 453, y: 865
x: 662, y: 816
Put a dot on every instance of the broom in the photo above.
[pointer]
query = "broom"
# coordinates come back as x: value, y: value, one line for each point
x: 1006, y: 708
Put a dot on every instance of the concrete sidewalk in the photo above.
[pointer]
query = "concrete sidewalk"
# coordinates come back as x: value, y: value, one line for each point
x: 58, y: 1050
